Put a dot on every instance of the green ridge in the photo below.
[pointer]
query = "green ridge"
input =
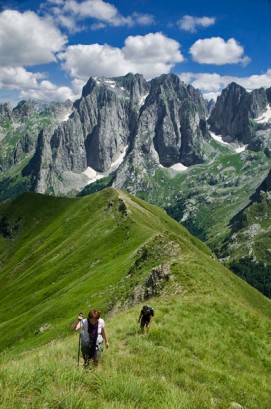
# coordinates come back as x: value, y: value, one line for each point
x: 209, y: 345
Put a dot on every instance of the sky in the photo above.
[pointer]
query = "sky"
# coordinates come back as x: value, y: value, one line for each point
x: 49, y: 49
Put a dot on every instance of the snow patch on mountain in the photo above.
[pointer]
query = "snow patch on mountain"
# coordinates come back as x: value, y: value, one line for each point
x: 234, y: 146
x: 93, y: 175
x: 265, y: 117
x: 179, y: 167
x: 143, y: 99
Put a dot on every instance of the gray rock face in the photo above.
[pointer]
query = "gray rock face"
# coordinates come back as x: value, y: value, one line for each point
x: 101, y: 125
x: 234, y: 112
x: 5, y: 112
x: 171, y: 129
x: 150, y: 124
x: 20, y: 126
x: 174, y: 113
x: 161, y: 122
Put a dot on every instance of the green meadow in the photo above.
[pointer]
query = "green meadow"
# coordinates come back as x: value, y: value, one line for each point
x: 210, y: 342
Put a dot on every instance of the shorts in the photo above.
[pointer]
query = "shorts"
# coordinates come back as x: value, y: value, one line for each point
x: 85, y: 349
x: 144, y: 322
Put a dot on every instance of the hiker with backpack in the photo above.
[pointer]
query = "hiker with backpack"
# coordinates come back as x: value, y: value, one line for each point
x: 145, y: 318
x: 92, y: 334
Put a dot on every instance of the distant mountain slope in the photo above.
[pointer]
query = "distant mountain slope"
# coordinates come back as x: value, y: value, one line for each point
x: 247, y: 248
x: 19, y: 129
x: 209, y: 344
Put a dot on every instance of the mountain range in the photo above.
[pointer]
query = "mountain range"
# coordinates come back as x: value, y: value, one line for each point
x: 206, y: 163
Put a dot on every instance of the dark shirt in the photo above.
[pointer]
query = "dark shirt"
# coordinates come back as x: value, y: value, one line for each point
x: 146, y: 315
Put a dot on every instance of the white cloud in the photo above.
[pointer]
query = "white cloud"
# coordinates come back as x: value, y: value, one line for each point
x: 150, y: 55
x: 205, y: 81
x: 191, y: 24
x: 97, y: 26
x: 34, y: 85
x: 70, y: 13
x: 155, y: 47
x: 97, y: 9
x: 77, y: 86
x: 256, y: 81
x: 18, y: 78
x: 83, y: 61
x: 27, y: 39
x: 143, y: 19
x: 217, y: 51
x: 47, y: 91
x: 211, y: 85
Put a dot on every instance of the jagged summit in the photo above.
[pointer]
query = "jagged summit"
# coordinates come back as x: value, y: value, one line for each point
x: 233, y: 112
x: 159, y: 122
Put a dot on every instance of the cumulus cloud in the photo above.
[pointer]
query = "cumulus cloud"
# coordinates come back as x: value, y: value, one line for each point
x: 191, y: 24
x: 91, y: 8
x: 143, y: 19
x: 27, y: 39
x: 70, y: 13
x: 217, y: 51
x: 47, y: 91
x: 150, y: 55
x: 211, y: 85
x: 18, y: 78
x: 34, y: 85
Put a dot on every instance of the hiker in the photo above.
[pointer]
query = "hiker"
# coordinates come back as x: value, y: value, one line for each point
x: 145, y: 318
x: 92, y: 334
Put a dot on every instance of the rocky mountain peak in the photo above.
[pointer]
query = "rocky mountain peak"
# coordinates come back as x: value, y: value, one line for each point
x: 234, y: 111
x: 142, y: 125
x: 168, y: 84
x: 156, y: 122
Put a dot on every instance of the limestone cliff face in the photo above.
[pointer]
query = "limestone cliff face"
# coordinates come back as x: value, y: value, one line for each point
x: 171, y: 128
x: 173, y: 113
x: 20, y: 126
x: 234, y: 112
x: 161, y: 122
x: 150, y: 124
x: 108, y: 111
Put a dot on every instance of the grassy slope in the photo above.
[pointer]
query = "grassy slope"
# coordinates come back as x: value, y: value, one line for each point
x: 209, y: 344
x: 65, y: 253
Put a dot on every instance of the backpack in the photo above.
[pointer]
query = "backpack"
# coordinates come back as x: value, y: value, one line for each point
x: 151, y: 311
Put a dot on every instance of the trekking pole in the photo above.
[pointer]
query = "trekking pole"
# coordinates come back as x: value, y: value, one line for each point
x: 79, y: 344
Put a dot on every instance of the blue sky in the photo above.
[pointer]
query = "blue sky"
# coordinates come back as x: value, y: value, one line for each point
x: 49, y: 49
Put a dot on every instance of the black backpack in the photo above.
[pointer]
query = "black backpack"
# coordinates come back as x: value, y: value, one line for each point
x: 151, y: 311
